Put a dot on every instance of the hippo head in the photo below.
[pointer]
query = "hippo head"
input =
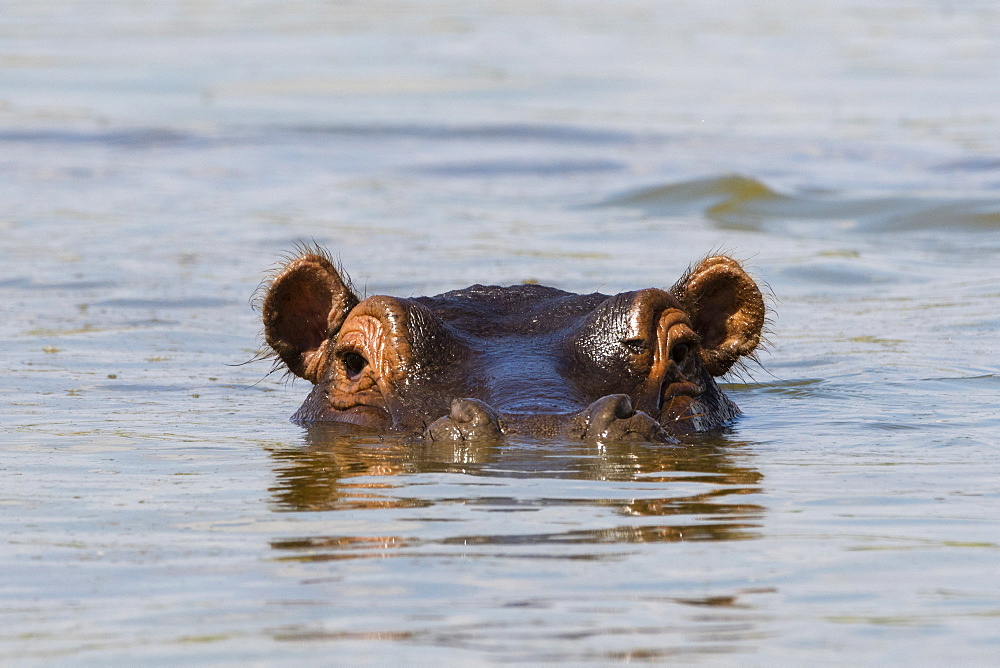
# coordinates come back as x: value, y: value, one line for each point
x: 486, y: 361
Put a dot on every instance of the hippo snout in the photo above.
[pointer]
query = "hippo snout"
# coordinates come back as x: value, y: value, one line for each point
x: 610, y: 418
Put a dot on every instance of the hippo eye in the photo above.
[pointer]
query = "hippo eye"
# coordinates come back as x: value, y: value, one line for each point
x: 354, y: 363
x: 635, y: 346
x: 679, y: 353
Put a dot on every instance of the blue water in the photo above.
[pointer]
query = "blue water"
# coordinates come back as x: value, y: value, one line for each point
x: 156, y: 160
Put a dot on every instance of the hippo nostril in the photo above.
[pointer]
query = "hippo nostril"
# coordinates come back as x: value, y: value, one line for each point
x: 468, y: 420
x: 623, y: 406
x: 472, y: 412
x: 610, y: 408
x: 612, y: 418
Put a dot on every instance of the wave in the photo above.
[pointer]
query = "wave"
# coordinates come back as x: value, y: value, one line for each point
x: 503, y: 132
x: 734, y: 201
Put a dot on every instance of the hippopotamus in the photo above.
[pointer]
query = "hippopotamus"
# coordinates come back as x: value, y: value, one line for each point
x: 486, y: 361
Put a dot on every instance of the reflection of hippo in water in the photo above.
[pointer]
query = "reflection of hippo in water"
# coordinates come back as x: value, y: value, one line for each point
x: 486, y: 361
x: 697, y: 493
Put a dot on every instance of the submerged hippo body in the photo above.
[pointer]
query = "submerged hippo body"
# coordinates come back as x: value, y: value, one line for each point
x: 487, y: 361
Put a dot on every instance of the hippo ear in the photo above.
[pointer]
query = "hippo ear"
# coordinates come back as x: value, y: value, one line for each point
x: 726, y: 309
x: 306, y: 304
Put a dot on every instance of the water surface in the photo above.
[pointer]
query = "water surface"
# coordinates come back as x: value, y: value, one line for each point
x: 157, y: 505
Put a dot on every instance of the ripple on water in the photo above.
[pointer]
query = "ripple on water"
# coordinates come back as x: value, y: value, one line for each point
x: 738, y: 202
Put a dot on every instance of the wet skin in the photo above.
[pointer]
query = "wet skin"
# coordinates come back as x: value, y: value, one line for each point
x: 486, y: 361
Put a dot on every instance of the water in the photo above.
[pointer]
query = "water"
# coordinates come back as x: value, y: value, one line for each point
x: 157, y: 159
